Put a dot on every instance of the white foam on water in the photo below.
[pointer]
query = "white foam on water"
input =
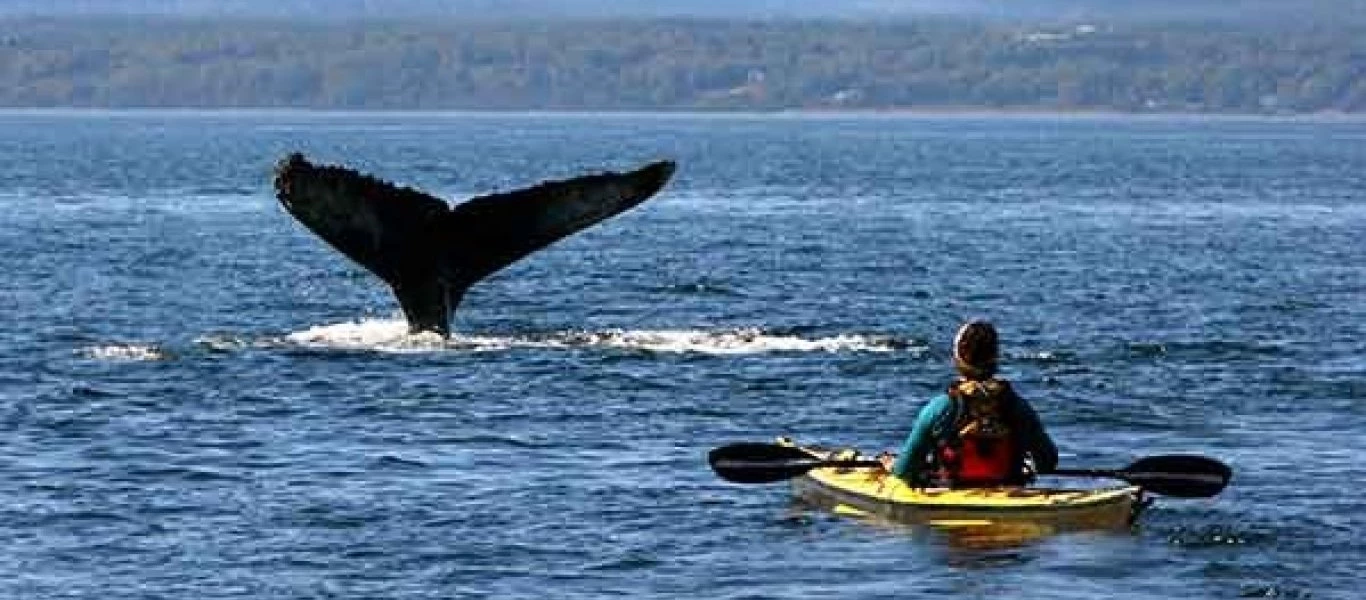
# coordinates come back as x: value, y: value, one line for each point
x: 391, y: 335
x: 125, y: 352
x: 723, y: 342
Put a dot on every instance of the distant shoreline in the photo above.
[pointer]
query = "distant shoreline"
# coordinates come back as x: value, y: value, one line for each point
x: 816, y: 114
x: 918, y: 68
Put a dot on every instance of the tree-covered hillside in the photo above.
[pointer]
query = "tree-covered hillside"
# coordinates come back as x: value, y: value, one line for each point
x: 679, y: 64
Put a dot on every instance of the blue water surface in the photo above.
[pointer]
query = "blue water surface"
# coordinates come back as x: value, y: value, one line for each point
x: 202, y: 400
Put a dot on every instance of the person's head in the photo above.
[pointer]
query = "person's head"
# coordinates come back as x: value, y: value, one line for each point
x: 975, y: 350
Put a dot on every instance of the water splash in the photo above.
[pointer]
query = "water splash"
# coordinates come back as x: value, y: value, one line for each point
x: 386, y: 335
x: 126, y: 352
x: 391, y: 335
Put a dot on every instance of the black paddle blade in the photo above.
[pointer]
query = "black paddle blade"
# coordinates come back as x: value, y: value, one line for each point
x: 1178, y: 475
x: 755, y: 462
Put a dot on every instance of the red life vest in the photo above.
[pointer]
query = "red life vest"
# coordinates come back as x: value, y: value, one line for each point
x: 979, y: 448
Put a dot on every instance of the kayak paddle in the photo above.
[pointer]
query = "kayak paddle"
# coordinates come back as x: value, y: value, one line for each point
x: 757, y: 462
x: 1177, y: 475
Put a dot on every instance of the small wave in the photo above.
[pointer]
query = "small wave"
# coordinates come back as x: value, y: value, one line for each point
x: 513, y: 442
x: 388, y: 461
x: 1216, y: 535
x: 631, y: 561
x: 227, y: 342
x: 1147, y: 349
x: 391, y: 335
x: 126, y: 352
x: 65, y: 519
x: 702, y: 288
x: 170, y: 472
x: 1207, y: 350
x: 226, y: 200
x: 1043, y: 357
x: 89, y: 392
x: 1273, y: 591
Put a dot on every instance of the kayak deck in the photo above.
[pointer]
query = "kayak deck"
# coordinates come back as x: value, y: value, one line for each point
x: 872, y: 492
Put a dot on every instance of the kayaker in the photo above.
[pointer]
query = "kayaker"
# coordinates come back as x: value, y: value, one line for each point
x: 979, y: 432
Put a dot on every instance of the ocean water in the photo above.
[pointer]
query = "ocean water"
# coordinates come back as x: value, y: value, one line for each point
x: 202, y: 400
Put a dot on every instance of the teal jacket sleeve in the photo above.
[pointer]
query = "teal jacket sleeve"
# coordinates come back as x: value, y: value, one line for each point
x: 910, y: 461
x: 1034, y: 438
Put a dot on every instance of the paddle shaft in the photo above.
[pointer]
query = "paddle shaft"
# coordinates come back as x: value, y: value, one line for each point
x: 1178, y: 475
x: 1181, y: 476
x: 804, y: 464
x: 1086, y: 473
x: 750, y: 462
x: 1140, y: 476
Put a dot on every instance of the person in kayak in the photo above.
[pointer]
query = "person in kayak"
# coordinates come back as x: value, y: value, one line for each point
x: 979, y: 432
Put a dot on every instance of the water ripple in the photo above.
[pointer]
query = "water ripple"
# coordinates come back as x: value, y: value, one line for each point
x: 203, y: 400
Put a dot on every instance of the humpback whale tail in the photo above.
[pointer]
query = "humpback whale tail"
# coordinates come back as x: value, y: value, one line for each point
x: 429, y: 252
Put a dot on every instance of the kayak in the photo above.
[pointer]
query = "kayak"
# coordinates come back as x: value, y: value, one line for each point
x: 872, y: 492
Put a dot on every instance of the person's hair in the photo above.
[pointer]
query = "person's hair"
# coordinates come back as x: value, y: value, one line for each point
x: 976, y: 350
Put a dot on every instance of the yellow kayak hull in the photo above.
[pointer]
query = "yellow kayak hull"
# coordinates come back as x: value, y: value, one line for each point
x: 871, y: 492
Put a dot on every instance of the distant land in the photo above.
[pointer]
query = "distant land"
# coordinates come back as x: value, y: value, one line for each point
x: 1239, y: 11
x: 78, y: 59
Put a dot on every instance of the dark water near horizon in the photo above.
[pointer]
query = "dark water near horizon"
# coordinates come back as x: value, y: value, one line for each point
x: 202, y: 400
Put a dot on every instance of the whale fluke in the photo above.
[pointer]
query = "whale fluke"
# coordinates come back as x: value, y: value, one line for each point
x: 430, y: 253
